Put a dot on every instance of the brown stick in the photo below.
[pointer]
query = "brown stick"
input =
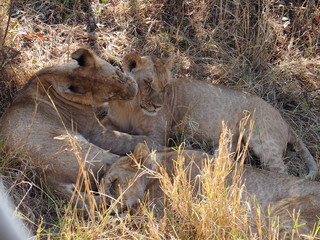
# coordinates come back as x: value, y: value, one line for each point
x: 8, y: 23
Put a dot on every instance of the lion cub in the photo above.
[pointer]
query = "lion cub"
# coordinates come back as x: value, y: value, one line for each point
x: 166, y: 107
x: 52, y: 120
x: 132, y: 176
x: 124, y: 170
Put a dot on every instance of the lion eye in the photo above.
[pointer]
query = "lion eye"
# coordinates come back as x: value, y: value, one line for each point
x: 75, y: 90
x: 148, y: 85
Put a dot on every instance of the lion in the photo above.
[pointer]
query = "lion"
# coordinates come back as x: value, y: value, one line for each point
x: 52, y: 120
x: 165, y: 107
x: 131, y: 169
x: 278, y: 195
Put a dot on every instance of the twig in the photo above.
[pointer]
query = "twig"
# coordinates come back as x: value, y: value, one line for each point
x: 8, y: 23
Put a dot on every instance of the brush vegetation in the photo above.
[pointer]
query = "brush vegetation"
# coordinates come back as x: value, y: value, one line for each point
x: 266, y: 47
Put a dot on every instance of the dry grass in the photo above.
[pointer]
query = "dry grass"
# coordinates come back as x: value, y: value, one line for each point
x: 266, y: 47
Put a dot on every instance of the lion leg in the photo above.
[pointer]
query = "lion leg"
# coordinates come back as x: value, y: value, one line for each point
x: 269, y: 152
x: 70, y: 164
x: 274, y: 162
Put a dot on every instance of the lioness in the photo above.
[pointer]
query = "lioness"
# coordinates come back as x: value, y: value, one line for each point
x: 56, y: 106
x: 166, y: 106
x: 282, y: 193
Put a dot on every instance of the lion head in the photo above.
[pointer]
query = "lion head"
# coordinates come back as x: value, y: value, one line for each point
x: 89, y: 81
x: 152, y: 75
x: 127, y: 178
x: 130, y: 177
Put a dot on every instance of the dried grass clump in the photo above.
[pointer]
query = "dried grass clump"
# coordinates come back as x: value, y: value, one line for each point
x: 212, y: 211
x: 36, y: 205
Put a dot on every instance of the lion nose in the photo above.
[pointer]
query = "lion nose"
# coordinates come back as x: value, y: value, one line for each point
x: 122, y: 77
x: 133, y: 90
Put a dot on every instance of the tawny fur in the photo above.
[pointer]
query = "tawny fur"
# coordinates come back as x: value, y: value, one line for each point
x: 166, y: 107
x: 282, y: 193
x: 56, y: 106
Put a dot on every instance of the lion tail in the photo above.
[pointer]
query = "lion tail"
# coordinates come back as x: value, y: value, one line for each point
x: 304, y: 153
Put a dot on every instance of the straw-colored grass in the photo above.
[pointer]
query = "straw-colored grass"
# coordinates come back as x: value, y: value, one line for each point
x: 266, y: 47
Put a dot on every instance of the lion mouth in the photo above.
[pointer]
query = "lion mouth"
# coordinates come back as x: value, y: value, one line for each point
x: 148, y: 112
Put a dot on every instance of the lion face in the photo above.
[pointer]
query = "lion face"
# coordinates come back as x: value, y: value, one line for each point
x: 129, y: 190
x: 125, y: 180
x: 152, y: 76
x: 89, y: 81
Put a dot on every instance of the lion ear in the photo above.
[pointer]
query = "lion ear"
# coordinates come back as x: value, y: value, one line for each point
x: 84, y: 57
x: 141, y: 153
x: 131, y: 61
